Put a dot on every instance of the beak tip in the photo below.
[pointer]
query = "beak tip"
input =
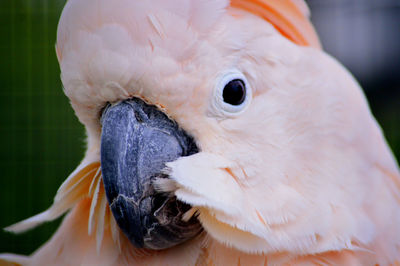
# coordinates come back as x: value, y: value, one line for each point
x: 121, y: 208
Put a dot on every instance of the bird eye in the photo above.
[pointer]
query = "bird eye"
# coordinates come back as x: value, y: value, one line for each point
x: 232, y: 94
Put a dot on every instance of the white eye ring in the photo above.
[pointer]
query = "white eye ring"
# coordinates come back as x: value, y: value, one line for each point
x: 222, y: 109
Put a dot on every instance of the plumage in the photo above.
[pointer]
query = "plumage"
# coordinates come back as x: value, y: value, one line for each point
x: 302, y: 176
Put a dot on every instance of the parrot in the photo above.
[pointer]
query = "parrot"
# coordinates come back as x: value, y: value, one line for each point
x: 219, y: 132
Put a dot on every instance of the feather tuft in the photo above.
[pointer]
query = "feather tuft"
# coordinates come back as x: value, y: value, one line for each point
x: 70, y: 193
x: 93, y: 205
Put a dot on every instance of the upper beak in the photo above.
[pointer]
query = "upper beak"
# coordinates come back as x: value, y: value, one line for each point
x: 137, y: 140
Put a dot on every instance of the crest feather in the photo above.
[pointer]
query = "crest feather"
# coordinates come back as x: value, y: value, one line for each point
x: 289, y: 17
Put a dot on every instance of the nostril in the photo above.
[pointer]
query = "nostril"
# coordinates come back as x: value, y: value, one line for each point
x: 138, y: 117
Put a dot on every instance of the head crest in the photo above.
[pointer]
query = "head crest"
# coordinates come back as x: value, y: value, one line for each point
x: 289, y: 17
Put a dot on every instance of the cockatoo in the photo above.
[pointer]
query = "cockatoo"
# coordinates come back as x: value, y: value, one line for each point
x: 218, y: 133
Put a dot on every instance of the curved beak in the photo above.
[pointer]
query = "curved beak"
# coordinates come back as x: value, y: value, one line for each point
x: 137, y: 140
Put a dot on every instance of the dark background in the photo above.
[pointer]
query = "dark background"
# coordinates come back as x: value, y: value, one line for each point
x: 42, y: 142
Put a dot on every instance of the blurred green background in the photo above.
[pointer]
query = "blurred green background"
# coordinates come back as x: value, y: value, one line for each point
x: 42, y: 141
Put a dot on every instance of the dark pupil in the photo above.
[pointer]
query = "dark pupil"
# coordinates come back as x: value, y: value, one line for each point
x: 234, y: 92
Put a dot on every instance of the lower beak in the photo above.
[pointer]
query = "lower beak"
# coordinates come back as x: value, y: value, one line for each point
x: 137, y: 140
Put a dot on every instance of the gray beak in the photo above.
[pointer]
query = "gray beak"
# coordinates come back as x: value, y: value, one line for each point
x: 137, y: 140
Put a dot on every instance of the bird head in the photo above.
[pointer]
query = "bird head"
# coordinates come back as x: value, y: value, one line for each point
x: 226, y: 114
